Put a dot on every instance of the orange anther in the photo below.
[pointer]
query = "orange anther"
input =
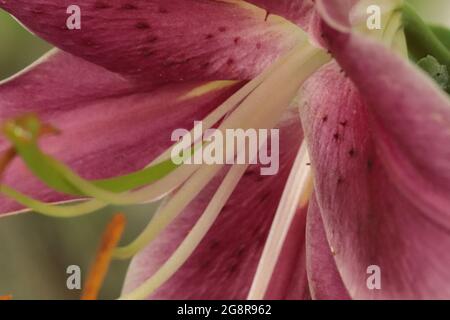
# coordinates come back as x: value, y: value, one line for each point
x: 99, y: 269
x: 48, y: 129
x: 6, y: 158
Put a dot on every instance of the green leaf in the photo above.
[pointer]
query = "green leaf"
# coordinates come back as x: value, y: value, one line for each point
x: 437, y: 71
x: 443, y: 34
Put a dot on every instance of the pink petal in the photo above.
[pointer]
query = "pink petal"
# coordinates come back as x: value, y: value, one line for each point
x: 297, y: 11
x: 336, y: 12
x: 325, y: 282
x: 412, y: 117
x: 371, y: 215
x: 223, y: 265
x: 109, y: 125
x: 289, y: 280
x: 162, y: 41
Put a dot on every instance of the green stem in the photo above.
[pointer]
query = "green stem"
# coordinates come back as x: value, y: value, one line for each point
x: 421, y: 39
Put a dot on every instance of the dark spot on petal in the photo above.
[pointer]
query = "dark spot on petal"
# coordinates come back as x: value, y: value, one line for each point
x: 209, y: 36
x: 369, y: 164
x: 340, y: 181
x: 352, y: 152
x: 152, y: 39
x: 233, y: 268
x: 266, y: 195
x: 240, y: 252
x: 237, y: 40
x: 230, y: 61
x: 258, y: 46
x: 163, y: 10
x: 142, y: 25
x: 214, y: 244
x: 205, y: 265
x: 102, y: 5
x: 37, y: 10
x: 252, y: 173
x: 129, y: 6
x: 343, y: 123
x: 324, y: 118
x: 205, y: 65
x: 173, y: 63
x: 146, y: 52
x: 87, y: 42
x: 222, y: 29
x: 336, y: 136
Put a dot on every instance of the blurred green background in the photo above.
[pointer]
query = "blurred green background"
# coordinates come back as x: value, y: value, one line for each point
x: 35, y: 250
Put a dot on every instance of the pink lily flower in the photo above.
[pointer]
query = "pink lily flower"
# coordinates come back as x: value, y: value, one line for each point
x: 364, y: 175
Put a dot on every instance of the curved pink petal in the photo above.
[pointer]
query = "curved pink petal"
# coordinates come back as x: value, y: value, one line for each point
x: 371, y: 216
x: 223, y: 265
x: 289, y: 280
x: 411, y: 114
x: 336, y: 12
x: 325, y: 282
x: 109, y: 125
x: 163, y: 41
x: 297, y: 11
x: 342, y: 15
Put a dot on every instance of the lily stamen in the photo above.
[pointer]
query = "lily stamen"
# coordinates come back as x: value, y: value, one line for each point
x: 6, y: 159
x: 193, y: 239
x: 102, y: 261
x: 296, y: 195
x: 231, y: 103
x: 260, y: 109
x: 368, y: 115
